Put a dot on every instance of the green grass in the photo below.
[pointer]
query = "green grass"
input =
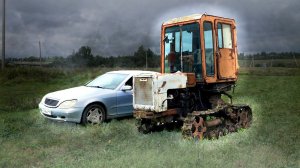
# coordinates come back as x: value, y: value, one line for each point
x: 29, y: 140
x: 292, y: 63
x: 258, y: 71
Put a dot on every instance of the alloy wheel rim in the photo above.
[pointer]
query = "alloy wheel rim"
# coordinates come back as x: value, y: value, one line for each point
x: 94, y: 116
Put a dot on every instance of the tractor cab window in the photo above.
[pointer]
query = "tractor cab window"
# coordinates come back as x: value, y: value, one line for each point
x: 224, y: 36
x: 172, y: 49
x: 209, y: 48
x: 182, y: 49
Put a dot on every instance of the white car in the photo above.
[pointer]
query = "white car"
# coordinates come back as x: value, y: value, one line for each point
x: 107, y: 96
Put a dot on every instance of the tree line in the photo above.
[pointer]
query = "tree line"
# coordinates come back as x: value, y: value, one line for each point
x: 84, y: 57
x: 269, y: 55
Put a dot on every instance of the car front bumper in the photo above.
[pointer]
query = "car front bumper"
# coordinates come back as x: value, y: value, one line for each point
x: 65, y: 115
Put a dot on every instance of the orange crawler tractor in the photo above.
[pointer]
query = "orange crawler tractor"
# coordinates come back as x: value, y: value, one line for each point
x: 199, y: 64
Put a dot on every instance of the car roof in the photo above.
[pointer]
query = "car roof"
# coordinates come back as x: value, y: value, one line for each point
x: 132, y: 72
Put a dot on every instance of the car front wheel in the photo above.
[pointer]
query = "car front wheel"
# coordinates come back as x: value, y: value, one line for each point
x: 93, y: 114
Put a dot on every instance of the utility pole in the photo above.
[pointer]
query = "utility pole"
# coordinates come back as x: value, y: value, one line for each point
x: 40, y: 53
x: 3, y: 36
x: 146, y: 60
x: 295, y: 60
x: 271, y: 61
x: 252, y: 63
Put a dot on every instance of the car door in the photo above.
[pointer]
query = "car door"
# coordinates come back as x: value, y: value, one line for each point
x: 124, y: 100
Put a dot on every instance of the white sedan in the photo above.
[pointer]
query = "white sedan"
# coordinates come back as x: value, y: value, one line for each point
x: 107, y: 96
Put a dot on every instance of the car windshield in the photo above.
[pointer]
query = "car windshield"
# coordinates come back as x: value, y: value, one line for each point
x: 107, y: 81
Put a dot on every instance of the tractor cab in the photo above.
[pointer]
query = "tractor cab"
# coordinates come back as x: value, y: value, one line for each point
x: 200, y: 44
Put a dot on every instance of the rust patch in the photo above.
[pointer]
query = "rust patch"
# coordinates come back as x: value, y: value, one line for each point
x: 198, y: 128
x: 153, y: 115
x: 191, y: 79
x: 213, y: 123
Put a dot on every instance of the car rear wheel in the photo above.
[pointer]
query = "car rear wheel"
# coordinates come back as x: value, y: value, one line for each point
x: 93, y: 114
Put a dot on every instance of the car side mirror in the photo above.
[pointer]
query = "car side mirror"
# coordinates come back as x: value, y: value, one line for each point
x: 126, y: 87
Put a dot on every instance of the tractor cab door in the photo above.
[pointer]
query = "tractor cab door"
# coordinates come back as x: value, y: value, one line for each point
x: 208, y: 52
x: 226, y: 51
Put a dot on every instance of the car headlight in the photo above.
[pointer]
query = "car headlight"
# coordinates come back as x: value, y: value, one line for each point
x: 67, y: 104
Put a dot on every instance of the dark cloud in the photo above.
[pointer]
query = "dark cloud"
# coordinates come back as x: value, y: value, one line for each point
x: 117, y: 27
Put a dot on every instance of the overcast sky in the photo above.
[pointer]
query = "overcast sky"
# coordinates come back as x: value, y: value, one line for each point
x: 118, y: 27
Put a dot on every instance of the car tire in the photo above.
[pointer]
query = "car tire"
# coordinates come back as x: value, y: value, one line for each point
x: 93, y: 114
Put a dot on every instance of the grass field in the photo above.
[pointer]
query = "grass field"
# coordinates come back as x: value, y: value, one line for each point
x: 29, y: 140
x: 292, y: 63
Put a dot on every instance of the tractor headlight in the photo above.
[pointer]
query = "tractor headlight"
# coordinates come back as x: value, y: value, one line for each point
x: 67, y: 104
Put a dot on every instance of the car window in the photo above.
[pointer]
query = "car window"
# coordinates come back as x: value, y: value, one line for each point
x: 129, y: 82
x: 108, y: 81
